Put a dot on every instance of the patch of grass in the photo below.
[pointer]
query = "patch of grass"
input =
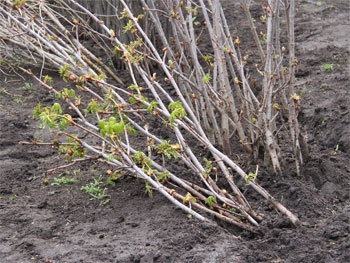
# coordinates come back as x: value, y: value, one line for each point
x: 28, y: 86
x: 95, y: 190
x: 63, y: 180
x: 19, y: 101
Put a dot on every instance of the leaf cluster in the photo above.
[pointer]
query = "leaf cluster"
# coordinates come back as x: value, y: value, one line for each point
x: 111, y: 127
x: 51, y: 116
x: 72, y: 149
x: 177, y: 111
x: 94, y: 189
x: 169, y: 150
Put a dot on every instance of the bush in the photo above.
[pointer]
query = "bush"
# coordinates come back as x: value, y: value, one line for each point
x: 193, y: 79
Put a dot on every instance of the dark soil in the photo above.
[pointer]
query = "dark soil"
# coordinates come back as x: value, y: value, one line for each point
x: 44, y: 223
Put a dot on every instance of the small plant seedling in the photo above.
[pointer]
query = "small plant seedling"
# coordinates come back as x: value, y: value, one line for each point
x: 336, y: 150
x: 328, y: 66
x: 94, y: 189
x: 250, y: 177
x: 149, y: 189
x: 13, y: 197
x: 27, y: 86
x: 331, y: 210
x: 19, y: 101
x: 63, y: 180
x: 210, y: 201
x: 319, y: 4
x: 303, y: 91
x: 324, y: 85
x: 325, y: 119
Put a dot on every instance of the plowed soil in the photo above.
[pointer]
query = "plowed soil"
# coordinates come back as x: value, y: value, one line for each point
x: 44, y: 223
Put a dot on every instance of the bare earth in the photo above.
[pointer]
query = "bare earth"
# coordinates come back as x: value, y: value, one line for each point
x: 44, y: 223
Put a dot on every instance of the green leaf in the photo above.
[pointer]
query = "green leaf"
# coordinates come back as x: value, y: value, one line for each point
x: 56, y: 108
x: 178, y: 112
x: 250, y: 177
x: 68, y: 93
x: 47, y: 79
x: 93, y: 107
x: 102, y: 124
x: 64, y: 123
x: 210, y: 200
x: 134, y: 87
x: 112, y: 120
x: 36, y: 111
x: 149, y: 189
x: 163, y: 177
x: 169, y: 150
x: 118, y: 128
x: 152, y: 106
x: 189, y: 198
x: 64, y: 72
x: 130, y: 25
x: 206, y: 79
x: 141, y: 158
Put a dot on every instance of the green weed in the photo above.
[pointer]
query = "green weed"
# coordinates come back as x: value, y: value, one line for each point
x: 63, y: 180
x: 328, y: 66
x: 94, y: 189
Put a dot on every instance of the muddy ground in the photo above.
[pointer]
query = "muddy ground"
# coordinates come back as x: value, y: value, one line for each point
x: 45, y: 223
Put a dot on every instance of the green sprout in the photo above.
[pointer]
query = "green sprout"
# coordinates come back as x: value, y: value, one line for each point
x: 93, y: 107
x: 328, y: 66
x: 303, y: 91
x: 149, y: 189
x: 111, y: 127
x: 169, y: 150
x: 210, y: 200
x: 189, y: 199
x: 177, y: 111
x: 28, y: 86
x: 206, y: 79
x: 94, y: 189
x: 64, y: 72
x: 152, y: 106
x: 72, y: 149
x: 208, y: 167
x: 208, y: 59
x: 52, y: 116
x: 63, y: 180
x: 251, y: 177
x: 128, y: 27
x: 163, y: 177
x: 13, y: 197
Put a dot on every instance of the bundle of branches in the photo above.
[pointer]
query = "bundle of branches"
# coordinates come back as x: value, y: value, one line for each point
x: 199, y: 99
